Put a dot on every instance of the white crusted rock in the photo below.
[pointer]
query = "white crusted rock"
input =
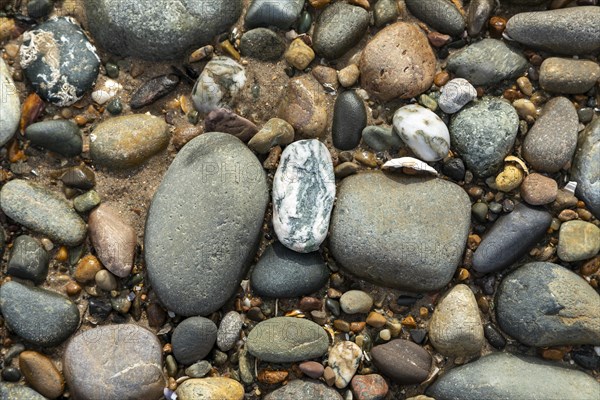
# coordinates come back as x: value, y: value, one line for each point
x: 218, y: 84
x: 10, y: 107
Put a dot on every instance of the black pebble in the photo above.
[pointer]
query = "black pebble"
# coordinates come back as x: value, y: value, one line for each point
x: 408, y: 300
x: 494, y: 337
x: 11, y: 374
x: 454, y: 169
x: 586, y: 358
x: 153, y: 90
x: 99, y: 308
x: 349, y: 120
x: 418, y: 335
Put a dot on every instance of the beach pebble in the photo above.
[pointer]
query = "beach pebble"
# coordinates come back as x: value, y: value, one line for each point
x: 304, y: 389
x: 584, y: 170
x: 226, y: 121
x: 344, y: 358
x: 402, y: 361
x: 539, y: 189
x: 356, y: 302
x: 423, y: 131
x: 441, y: 15
x: 229, y: 330
x: 41, y: 374
x: 564, y: 75
x: 338, y: 28
x: 10, y: 106
x: 349, y: 120
x: 304, y: 106
x: 262, y: 44
x: 60, y: 136
x: 281, y: 14
x: 381, y: 138
x: 210, y: 388
x: 455, y: 95
x: 28, y: 260
x: 578, y: 240
x: 275, y: 132
x: 193, y: 339
x: 218, y: 85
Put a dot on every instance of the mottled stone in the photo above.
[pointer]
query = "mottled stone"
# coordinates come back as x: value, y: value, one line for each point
x: 262, y: 44
x: 43, y: 211
x: 303, y: 195
x: 199, y: 242
x: 441, y: 15
x: 403, y: 361
x: 478, y: 15
x: 28, y: 260
x: 369, y: 387
x: 565, y: 75
x: 584, y: 170
x: 381, y: 138
x: 304, y: 106
x: 281, y: 14
x: 402, y: 252
x: 349, y: 119
x: 299, y: 55
x: 275, y: 132
x: 10, y: 106
x: 455, y: 95
x: 224, y: 120
x: 210, y: 388
x: 218, y: 85
x: 538, y: 189
x: 304, y: 389
x: 578, y: 240
x: 229, y: 330
x: 344, y: 358
x: 114, y: 362
x: 384, y: 12
x: 339, y: 27
x: 13, y: 391
x: 423, y: 131
x: 193, y: 339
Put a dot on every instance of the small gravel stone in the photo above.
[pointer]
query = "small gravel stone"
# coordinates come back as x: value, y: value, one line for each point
x: 384, y: 12
x: 301, y: 389
x: 105, y: 280
x: 369, y: 387
x: 349, y: 75
x: 299, y: 55
x: 59, y: 136
x: 218, y: 85
x: 262, y: 44
x: 86, y: 269
x: 80, y: 177
x: 402, y: 361
x: 229, y: 330
x: 338, y: 28
x: 275, y: 132
x: 199, y: 369
x: 281, y: 14
x: 311, y: 369
x: 28, y: 260
x: 455, y: 95
x: 423, y: 131
x: 381, y: 138
x: 344, y: 358
x: 193, y: 339
x: 223, y: 120
x: 441, y: 15
x: 356, y: 302
x: 349, y: 120
x: 304, y: 106
x: 87, y: 201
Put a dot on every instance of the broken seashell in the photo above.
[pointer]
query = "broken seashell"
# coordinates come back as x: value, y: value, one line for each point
x: 106, y: 91
x: 518, y: 161
x: 409, y: 163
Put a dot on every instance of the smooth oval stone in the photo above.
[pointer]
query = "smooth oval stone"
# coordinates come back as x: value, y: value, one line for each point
x: 198, y: 242
x: 423, y: 131
x: 403, y: 361
x: 303, y: 195
x: 10, y: 106
x: 455, y: 329
x: 262, y: 44
x: 43, y: 211
x: 129, y: 140
x: 356, y: 301
x: 418, y: 249
x: 487, y: 62
x: 13, y: 391
x: 159, y: 29
x: 543, y: 304
x: 28, y: 260
x: 484, y: 133
x: 37, y: 315
x: 304, y: 389
x: 59, y: 61
x: 510, y: 238
x: 441, y: 15
x: 381, y: 138
x: 501, y: 376
x: 286, y: 339
x: 455, y: 95
x: 114, y: 362
x: 304, y: 106
x: 553, y: 30
x: 193, y: 339
x: 59, y: 136
x: 584, y: 170
x: 478, y: 14
x: 80, y: 177
x: 210, y: 388
x: 275, y: 132
x: 565, y: 75
x: 41, y: 374
x: 552, y: 140
x: 349, y: 119
x: 578, y: 241
x: 283, y: 273
x: 338, y: 28
x: 229, y: 330
x: 281, y: 14
x: 384, y: 12
x: 218, y: 85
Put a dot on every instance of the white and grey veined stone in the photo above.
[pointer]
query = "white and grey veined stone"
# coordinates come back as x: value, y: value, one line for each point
x: 218, y: 84
x: 10, y: 106
x: 423, y: 131
x: 455, y: 95
x: 344, y: 359
x: 303, y: 195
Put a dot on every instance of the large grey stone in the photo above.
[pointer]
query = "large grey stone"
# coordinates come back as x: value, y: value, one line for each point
x: 487, y: 62
x: 400, y: 231
x: 37, y: 315
x: 501, y: 376
x: 573, y: 30
x: 43, y: 211
x: 543, y: 304
x: 304, y: 389
x: 204, y: 223
x: 483, y: 133
x: 585, y: 169
x: 10, y: 106
x: 158, y: 29
x: 339, y: 27
x: 13, y: 391
x: 570, y: 76
x: 281, y: 13
x: 441, y: 15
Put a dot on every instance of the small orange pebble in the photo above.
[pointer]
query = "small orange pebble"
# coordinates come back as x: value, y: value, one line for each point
x: 473, y: 241
x: 62, y: 254
x: 33, y: 106
x: 496, y: 26
x: 73, y: 288
x: 463, y: 274
x: 441, y: 78
x: 271, y: 377
x: 81, y: 120
x: 409, y: 322
x: 357, y: 326
x: 361, y: 3
x: 15, y: 153
x: 423, y: 312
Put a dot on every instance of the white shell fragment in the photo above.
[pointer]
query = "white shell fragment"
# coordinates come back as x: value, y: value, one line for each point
x: 106, y: 91
x: 409, y: 162
x: 423, y: 131
x: 517, y: 160
x: 455, y: 95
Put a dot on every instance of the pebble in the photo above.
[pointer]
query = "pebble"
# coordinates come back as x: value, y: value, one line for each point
x: 369, y: 387
x: 218, y: 85
x: 564, y: 75
x: 455, y: 329
x: 41, y: 374
x: 42, y: 211
x: 224, y: 120
x: 301, y: 223
x: 397, y: 62
x: 86, y: 269
x: 10, y: 374
x: 538, y: 189
x: 105, y: 280
x: 551, y: 141
x: 229, y: 330
x: 87, y: 201
x: 79, y: 177
x: 39, y: 316
x: 553, y: 31
x: 326, y: 76
x: 584, y: 170
x: 154, y: 30
x: 10, y: 107
x: 312, y: 369
x: 262, y: 44
x: 193, y: 339
x: 199, y: 369
x: 455, y: 95
x: 344, y: 358
x: 487, y: 62
x: 356, y: 302
x: 127, y: 141
x: 114, y: 240
x: 152, y: 90
x: 299, y: 55
x: 271, y: 340
x: 210, y: 388
x: 345, y: 169
x: 338, y: 28
x: 114, y: 362
x: 514, y: 377
x: 283, y: 273
x: 402, y: 361
x: 384, y: 12
x: 365, y: 244
x: 423, y: 131
x: 349, y: 120
x: 194, y: 259
x: 381, y: 138
x: 441, y: 15
x: 348, y: 76
x: 275, y: 132
x: 494, y: 337
x: 60, y: 71
x: 543, y: 304
x: 304, y: 389
x: 14, y: 391
x: 510, y: 238
x: 281, y: 14
x: 478, y: 14
x: 484, y: 133
x: 28, y: 260
x: 60, y: 136
x: 578, y: 240
x: 454, y: 168
x: 304, y: 106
